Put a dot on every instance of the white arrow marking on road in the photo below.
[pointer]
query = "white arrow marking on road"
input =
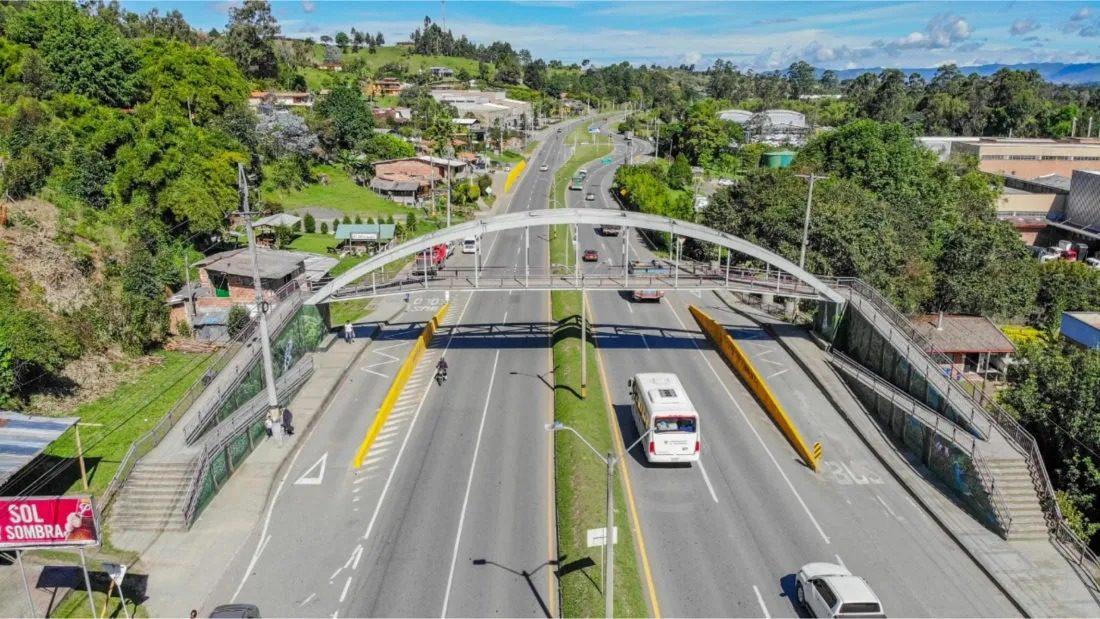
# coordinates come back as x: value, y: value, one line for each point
x: 305, y: 480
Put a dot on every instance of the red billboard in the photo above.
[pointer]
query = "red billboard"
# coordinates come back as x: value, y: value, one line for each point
x: 48, y: 521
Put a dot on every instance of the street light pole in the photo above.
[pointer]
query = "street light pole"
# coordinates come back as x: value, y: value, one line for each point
x: 610, y: 460
x: 261, y: 305
x: 806, y: 219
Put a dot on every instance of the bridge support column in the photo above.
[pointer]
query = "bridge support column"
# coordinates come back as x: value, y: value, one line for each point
x: 477, y: 260
x: 576, y: 256
x: 584, y: 346
x: 729, y: 257
x: 527, y: 257
x: 626, y: 257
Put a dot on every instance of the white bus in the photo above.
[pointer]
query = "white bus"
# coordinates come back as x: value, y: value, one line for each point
x: 659, y: 401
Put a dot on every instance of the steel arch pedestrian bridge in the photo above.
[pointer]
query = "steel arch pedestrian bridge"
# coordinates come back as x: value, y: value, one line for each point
x: 780, y: 277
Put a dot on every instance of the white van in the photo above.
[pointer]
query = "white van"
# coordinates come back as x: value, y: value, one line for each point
x: 469, y: 245
x: 659, y: 401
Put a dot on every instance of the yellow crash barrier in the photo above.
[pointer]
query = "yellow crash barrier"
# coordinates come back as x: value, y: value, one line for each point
x: 399, y: 380
x: 744, y: 368
x: 513, y: 175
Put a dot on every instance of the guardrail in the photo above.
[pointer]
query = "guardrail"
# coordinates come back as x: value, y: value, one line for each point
x: 932, y: 420
x: 150, y: 439
x: 1005, y: 423
x: 729, y: 349
x: 217, y: 442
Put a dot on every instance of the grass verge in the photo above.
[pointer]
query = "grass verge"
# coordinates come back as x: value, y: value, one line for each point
x: 75, y: 604
x: 340, y: 193
x: 580, y: 478
x: 122, y: 416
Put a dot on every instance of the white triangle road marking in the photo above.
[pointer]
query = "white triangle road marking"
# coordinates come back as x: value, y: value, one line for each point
x: 307, y: 480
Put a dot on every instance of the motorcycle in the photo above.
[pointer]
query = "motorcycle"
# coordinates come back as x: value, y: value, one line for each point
x: 440, y: 376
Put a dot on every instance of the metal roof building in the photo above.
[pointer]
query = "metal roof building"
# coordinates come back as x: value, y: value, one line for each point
x: 23, y: 438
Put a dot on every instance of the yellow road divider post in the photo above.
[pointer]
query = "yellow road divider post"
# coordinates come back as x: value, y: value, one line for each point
x: 737, y: 358
x: 398, y: 385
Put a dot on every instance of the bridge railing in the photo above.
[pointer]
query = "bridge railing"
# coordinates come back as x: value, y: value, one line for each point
x: 1005, y: 422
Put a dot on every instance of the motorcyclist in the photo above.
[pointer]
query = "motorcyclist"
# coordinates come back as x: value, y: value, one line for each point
x: 441, y: 367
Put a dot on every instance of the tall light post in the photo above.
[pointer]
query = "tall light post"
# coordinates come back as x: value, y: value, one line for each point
x: 806, y: 219
x: 609, y: 532
x: 261, y: 305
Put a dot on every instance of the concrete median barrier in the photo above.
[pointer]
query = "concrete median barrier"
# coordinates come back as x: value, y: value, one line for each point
x: 399, y: 380
x: 741, y: 364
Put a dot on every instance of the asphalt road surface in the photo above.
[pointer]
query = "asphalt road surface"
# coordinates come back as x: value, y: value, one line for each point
x: 725, y: 536
x: 452, y: 512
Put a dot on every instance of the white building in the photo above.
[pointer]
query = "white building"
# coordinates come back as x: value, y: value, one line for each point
x: 486, y: 106
x: 775, y: 127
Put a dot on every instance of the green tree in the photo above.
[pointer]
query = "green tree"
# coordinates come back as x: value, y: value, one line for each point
x: 237, y: 320
x: 193, y: 82
x: 84, y: 54
x: 1065, y: 286
x: 310, y: 223
x: 800, y: 75
x: 248, y: 39
x: 984, y: 268
x: 343, y: 117
x: 679, y: 173
x: 342, y: 40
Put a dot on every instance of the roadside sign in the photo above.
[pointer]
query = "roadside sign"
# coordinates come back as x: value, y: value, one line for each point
x: 598, y: 537
x: 48, y: 521
x: 116, y: 571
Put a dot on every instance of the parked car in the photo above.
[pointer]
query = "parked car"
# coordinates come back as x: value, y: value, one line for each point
x: 543, y: 168
x: 1093, y: 262
x: 830, y: 590
x: 591, y: 255
x: 590, y: 197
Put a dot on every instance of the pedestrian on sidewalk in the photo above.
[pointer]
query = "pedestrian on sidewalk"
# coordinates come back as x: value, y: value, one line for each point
x: 288, y: 422
x: 349, y: 332
x: 267, y: 427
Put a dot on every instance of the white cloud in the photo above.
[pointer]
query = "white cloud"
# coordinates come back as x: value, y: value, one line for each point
x: 1082, y: 14
x: 1023, y: 26
x: 943, y: 31
x: 309, y: 6
x: 691, y: 58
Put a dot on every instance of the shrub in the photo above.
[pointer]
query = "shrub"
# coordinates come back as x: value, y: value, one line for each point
x: 183, y: 328
x: 237, y: 320
x: 324, y: 227
x: 346, y: 220
x: 359, y: 219
x: 310, y: 223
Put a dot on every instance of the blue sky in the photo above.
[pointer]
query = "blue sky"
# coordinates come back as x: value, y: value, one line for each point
x: 758, y: 35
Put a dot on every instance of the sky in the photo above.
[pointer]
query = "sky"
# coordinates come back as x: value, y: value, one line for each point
x: 756, y: 35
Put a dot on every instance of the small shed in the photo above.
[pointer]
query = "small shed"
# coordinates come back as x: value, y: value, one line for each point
x: 364, y: 238
x: 973, y: 343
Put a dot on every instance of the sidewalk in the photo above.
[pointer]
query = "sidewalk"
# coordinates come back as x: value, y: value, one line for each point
x: 184, y: 566
x: 1032, y: 573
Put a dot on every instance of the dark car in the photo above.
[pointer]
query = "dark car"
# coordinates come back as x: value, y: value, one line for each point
x: 241, y: 611
x: 591, y: 255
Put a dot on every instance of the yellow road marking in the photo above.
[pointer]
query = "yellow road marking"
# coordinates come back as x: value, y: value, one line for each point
x: 639, y: 538
x: 398, y: 385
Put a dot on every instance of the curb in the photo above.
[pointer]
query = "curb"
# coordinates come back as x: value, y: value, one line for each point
x: 881, y: 458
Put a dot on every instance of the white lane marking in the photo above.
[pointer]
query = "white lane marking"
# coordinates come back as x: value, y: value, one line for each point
x: 706, y: 478
x: 271, y: 507
x: 912, y: 502
x: 356, y: 555
x: 890, y: 511
x: 344, y: 593
x: 840, y: 561
x: 760, y: 600
x: 408, y: 433
x: 759, y: 438
x: 777, y: 373
x: 264, y: 545
x: 630, y: 306
x: 335, y: 574
x: 306, y: 601
x: 470, y: 483
x: 309, y: 478
x: 373, y: 372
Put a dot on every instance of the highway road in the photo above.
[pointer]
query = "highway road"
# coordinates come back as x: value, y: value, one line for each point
x: 725, y: 536
x: 451, y: 513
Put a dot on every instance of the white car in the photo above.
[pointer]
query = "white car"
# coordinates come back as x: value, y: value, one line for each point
x: 1093, y: 262
x: 543, y: 168
x: 830, y: 590
x: 469, y: 245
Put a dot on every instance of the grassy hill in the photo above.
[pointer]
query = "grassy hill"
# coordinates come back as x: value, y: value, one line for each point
x: 388, y: 54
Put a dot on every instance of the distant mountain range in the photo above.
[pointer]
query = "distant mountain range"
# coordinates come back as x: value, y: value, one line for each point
x: 1057, y: 72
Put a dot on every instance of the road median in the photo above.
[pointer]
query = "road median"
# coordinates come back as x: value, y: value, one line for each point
x: 398, y: 385
x: 739, y: 361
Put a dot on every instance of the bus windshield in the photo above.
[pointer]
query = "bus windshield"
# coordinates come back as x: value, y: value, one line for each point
x: 674, y: 424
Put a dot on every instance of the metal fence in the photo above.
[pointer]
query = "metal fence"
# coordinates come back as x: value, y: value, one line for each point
x: 948, y: 450
x: 226, y: 446
x: 1003, y: 421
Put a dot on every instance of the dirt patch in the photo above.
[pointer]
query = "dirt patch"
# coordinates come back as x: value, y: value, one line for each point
x: 92, y: 376
x: 38, y: 261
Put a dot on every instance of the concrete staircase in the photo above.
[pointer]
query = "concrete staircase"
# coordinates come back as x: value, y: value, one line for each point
x: 152, y: 499
x: 1013, y: 479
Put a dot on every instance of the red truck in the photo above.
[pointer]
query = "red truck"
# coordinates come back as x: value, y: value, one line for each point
x: 429, y: 261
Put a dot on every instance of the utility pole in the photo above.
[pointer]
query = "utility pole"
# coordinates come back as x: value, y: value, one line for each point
x: 806, y: 219
x: 261, y: 305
